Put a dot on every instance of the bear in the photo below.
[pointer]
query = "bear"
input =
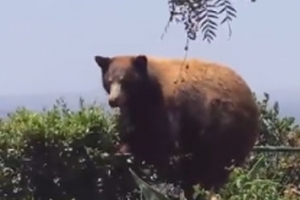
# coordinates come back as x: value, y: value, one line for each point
x: 189, y: 107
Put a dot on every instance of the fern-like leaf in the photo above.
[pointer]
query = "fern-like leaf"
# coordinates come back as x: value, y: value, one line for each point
x: 201, y: 15
x: 227, y: 9
x: 208, y: 25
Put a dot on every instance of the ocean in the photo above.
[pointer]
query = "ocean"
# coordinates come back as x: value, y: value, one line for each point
x: 289, y: 103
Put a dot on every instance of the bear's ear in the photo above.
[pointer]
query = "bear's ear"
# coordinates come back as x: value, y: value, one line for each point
x: 102, y: 62
x: 141, y: 63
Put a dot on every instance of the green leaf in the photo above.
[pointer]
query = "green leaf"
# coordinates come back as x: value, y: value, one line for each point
x: 255, y: 169
x: 147, y: 191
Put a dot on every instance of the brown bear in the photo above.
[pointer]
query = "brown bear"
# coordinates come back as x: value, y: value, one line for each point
x: 194, y: 107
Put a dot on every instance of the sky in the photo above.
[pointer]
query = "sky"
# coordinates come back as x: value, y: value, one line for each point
x: 47, y: 47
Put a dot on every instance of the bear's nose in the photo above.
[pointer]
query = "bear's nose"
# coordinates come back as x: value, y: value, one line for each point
x: 113, y: 102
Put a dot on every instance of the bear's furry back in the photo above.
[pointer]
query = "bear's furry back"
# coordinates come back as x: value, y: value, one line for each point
x: 218, y: 118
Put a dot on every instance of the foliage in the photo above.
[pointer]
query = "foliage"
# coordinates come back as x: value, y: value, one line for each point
x: 201, y: 15
x: 275, y: 131
x: 65, y: 154
x: 60, y: 154
x: 146, y: 190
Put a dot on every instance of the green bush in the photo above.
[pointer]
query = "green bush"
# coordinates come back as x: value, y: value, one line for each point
x: 62, y: 154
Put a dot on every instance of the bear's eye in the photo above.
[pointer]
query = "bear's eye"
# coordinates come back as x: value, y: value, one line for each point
x: 109, y: 80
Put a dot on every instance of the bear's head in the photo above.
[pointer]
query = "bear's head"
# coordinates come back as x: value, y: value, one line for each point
x: 123, y: 77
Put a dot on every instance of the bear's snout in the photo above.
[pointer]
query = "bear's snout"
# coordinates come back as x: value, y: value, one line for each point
x: 116, y: 95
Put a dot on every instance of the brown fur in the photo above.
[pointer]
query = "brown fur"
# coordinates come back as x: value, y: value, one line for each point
x: 218, y: 117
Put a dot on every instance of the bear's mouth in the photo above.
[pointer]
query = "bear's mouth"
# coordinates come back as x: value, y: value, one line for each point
x: 113, y: 103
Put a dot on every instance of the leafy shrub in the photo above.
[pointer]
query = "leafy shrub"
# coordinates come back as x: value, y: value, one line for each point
x: 65, y: 154
x: 60, y: 154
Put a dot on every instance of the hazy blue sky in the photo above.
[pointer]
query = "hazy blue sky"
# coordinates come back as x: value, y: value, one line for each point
x: 48, y: 46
